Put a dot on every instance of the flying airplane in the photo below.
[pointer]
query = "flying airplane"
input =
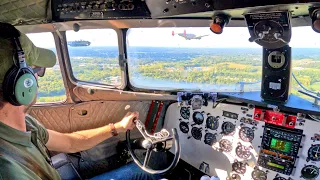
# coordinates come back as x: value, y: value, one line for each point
x: 189, y: 36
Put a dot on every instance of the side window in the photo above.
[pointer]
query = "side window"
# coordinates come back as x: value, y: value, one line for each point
x: 51, y: 87
x: 94, y: 56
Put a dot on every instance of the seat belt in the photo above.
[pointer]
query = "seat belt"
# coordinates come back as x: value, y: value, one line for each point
x: 9, y: 150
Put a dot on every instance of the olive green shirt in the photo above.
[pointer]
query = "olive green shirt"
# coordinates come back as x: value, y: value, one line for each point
x: 32, y: 143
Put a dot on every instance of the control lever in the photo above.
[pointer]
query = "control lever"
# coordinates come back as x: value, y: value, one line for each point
x: 261, y: 35
x: 278, y: 37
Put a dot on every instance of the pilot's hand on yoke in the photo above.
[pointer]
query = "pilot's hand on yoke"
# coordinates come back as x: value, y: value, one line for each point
x: 127, y: 123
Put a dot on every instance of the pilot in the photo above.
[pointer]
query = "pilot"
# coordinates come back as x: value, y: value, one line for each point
x: 23, y: 140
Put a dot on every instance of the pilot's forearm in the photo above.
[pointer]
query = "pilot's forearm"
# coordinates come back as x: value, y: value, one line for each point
x: 86, y: 139
x: 80, y: 140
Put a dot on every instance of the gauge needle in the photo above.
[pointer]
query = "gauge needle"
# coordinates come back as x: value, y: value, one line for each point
x: 312, y: 171
x: 316, y: 155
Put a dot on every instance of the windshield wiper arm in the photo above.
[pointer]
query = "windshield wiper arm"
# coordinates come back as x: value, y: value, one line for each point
x: 242, y: 83
x: 307, y: 92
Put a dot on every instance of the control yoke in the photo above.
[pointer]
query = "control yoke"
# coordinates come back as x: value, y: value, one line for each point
x: 150, y: 142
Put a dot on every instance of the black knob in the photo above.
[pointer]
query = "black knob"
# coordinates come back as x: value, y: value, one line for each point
x: 165, y: 10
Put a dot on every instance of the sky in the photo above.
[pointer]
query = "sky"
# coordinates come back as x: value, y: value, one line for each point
x: 232, y: 37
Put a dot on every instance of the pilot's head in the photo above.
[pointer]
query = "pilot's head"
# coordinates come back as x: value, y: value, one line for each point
x: 18, y: 84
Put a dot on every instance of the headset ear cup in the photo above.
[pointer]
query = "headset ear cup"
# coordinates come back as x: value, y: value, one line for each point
x: 26, y: 88
x: 20, y: 89
x: 9, y: 84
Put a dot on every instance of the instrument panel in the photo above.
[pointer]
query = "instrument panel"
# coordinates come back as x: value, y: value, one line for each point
x: 245, y: 142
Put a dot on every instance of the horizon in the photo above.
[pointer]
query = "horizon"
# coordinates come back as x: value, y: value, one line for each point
x: 232, y: 37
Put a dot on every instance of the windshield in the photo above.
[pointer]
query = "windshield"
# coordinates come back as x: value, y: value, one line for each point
x: 197, y: 59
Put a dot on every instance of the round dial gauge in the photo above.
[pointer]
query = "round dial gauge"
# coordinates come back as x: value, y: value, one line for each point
x: 279, y: 178
x: 225, y: 145
x: 310, y: 172
x: 196, y: 133
x: 212, y: 123
x: 239, y: 167
x: 243, y: 152
x: 198, y: 118
x: 234, y: 177
x: 184, y: 127
x: 185, y: 112
x: 314, y: 153
x: 246, y: 134
x: 228, y: 128
x: 210, y: 139
x: 257, y: 174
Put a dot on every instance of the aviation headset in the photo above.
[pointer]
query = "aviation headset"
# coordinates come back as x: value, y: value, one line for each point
x: 20, y: 85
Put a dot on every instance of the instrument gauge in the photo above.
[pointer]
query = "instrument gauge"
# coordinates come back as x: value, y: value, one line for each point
x: 236, y: 177
x: 228, y: 128
x: 314, y: 153
x: 184, y: 127
x: 185, y: 112
x: 310, y: 172
x: 198, y: 118
x: 258, y: 174
x: 196, y: 133
x: 212, y: 123
x: 210, y: 139
x: 239, y: 167
x: 225, y: 145
x: 243, y: 152
x: 246, y: 134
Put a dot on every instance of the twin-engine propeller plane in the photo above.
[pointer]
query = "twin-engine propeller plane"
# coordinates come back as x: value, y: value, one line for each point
x: 189, y: 36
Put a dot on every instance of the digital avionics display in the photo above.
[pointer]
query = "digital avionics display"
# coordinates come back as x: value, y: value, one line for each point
x: 280, y: 145
x: 275, y: 165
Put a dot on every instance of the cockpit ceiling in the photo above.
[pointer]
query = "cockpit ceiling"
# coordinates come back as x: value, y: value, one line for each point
x: 26, y: 12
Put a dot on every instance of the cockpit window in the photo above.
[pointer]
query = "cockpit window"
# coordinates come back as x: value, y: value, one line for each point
x: 194, y: 59
x: 94, y: 56
x: 197, y: 59
x: 51, y: 88
x: 305, y: 45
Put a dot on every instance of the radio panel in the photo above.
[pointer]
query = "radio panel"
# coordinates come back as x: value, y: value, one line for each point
x: 281, y: 141
x: 101, y: 9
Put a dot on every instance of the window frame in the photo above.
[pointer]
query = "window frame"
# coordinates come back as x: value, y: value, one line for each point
x: 88, y: 84
x: 41, y: 104
x: 152, y: 89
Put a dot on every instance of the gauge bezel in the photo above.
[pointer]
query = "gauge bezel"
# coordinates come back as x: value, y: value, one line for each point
x: 243, y: 149
x: 193, y: 130
x: 226, y: 124
x: 310, y: 166
x: 182, y: 123
x: 195, y: 119
x: 244, y: 136
x: 187, y: 109
x: 223, y: 142
x: 214, y: 120
x: 213, y: 139
x: 310, y: 155
x: 239, y: 167
x: 258, y: 171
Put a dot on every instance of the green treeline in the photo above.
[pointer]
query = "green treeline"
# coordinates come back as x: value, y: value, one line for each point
x: 226, y: 69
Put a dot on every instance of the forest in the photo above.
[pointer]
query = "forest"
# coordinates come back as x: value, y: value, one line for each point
x: 226, y: 67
